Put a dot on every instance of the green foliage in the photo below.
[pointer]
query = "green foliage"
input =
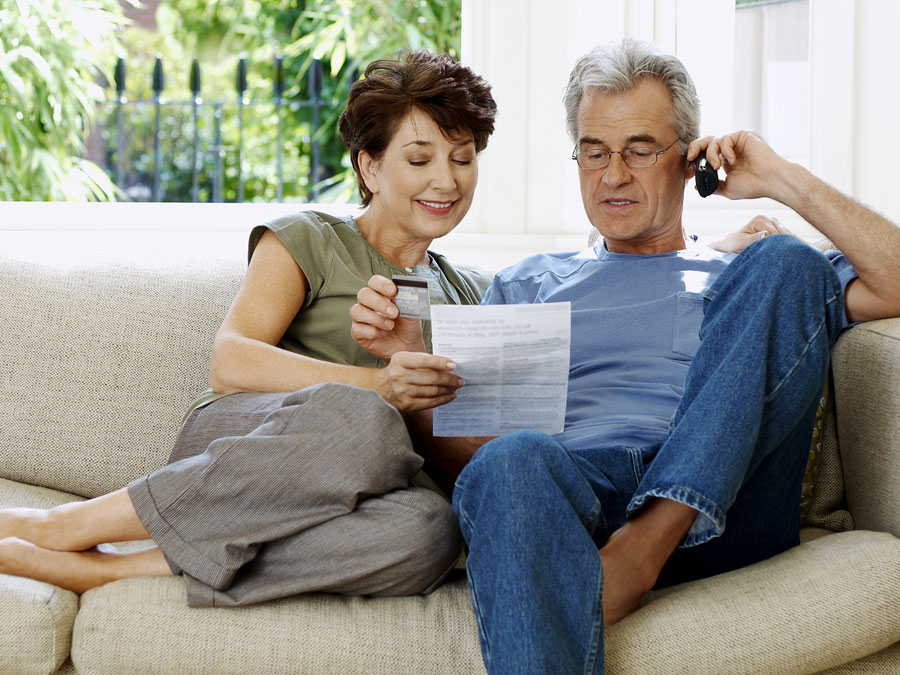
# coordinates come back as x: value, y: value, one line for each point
x: 347, y: 35
x: 177, y: 130
x: 53, y: 53
x: 344, y: 35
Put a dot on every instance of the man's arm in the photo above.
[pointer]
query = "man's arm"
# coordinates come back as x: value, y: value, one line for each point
x: 870, y: 241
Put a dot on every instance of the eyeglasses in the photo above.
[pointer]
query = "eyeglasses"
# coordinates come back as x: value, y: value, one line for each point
x: 637, y: 156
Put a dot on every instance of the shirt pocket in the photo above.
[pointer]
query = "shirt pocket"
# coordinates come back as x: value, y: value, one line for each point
x: 688, y: 317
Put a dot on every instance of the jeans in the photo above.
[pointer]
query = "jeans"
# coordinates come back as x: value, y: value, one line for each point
x: 533, y: 513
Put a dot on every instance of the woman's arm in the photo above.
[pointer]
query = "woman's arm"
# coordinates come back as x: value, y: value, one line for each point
x: 759, y: 226
x: 378, y: 328
x: 245, y: 356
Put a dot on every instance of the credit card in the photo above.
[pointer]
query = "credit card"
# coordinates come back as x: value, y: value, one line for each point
x: 412, y: 297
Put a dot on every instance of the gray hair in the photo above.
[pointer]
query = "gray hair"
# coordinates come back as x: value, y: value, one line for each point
x: 618, y: 67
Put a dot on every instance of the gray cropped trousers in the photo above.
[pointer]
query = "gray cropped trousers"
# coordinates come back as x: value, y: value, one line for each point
x: 292, y: 493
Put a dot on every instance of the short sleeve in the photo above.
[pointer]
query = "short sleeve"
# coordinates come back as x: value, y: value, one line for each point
x: 846, y: 273
x: 495, y: 294
x: 307, y: 239
x: 843, y: 267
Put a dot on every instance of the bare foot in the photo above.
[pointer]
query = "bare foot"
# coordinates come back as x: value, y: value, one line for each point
x: 76, y: 526
x: 626, y: 578
x: 635, y: 554
x: 77, y: 571
x: 29, y: 524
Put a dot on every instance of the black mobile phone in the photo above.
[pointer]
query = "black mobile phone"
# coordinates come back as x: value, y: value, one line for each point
x: 706, y: 177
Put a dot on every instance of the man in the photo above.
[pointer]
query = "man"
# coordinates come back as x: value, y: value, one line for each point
x: 694, y: 376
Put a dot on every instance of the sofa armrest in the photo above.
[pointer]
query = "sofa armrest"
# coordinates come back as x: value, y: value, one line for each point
x: 866, y: 366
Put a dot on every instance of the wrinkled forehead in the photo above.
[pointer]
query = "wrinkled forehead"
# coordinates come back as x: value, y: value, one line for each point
x: 643, y: 111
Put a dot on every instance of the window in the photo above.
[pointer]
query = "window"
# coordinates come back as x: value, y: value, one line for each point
x: 771, y: 74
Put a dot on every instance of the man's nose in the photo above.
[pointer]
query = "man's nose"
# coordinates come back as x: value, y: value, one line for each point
x: 617, y: 172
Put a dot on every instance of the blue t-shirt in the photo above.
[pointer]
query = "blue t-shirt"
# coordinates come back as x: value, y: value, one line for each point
x: 635, y: 330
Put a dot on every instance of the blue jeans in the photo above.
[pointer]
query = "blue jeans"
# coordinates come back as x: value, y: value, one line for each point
x: 533, y: 513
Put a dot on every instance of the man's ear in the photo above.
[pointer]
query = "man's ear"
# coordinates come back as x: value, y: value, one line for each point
x: 688, y: 170
x: 368, y: 169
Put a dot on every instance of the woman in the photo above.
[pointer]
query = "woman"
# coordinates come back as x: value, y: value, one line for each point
x: 271, y: 493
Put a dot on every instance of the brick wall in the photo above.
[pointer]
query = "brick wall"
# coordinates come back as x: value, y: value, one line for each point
x: 145, y: 17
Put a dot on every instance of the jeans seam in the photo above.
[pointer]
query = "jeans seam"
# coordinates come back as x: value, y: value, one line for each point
x: 637, y: 465
x: 800, y: 358
x: 485, y: 645
x: 597, y: 630
x: 596, y: 511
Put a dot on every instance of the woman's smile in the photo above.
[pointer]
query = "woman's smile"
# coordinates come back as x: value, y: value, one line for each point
x: 436, y: 208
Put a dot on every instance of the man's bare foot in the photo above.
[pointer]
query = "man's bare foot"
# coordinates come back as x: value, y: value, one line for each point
x: 626, y: 578
x: 77, y: 571
x: 635, y: 554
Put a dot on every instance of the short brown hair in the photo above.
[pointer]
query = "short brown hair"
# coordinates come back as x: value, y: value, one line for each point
x: 451, y: 94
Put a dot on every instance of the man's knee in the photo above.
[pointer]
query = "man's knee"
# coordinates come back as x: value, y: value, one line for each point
x: 510, y: 457
x: 790, y: 257
x: 507, y: 468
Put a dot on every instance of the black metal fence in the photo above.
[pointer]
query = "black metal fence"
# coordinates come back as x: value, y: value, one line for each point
x: 216, y: 149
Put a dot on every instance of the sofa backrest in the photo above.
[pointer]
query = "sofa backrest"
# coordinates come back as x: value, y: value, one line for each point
x: 100, y: 359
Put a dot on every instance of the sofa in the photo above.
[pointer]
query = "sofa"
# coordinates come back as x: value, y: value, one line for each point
x: 105, y: 339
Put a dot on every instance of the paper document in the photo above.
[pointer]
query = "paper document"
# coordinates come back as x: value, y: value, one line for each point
x: 515, y: 362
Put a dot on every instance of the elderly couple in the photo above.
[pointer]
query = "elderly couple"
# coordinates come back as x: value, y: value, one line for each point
x: 694, y: 380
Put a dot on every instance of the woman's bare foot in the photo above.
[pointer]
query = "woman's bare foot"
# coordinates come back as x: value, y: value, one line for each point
x: 29, y: 524
x: 77, y: 571
x: 76, y: 526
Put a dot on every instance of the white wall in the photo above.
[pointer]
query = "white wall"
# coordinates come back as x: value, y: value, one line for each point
x: 876, y: 104
x: 526, y: 48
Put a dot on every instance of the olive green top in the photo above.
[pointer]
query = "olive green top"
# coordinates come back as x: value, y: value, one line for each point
x: 337, y: 262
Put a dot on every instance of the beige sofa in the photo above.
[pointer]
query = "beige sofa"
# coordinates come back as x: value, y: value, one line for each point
x: 105, y: 339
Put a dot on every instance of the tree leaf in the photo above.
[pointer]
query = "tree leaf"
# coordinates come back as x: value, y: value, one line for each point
x: 338, y: 57
x: 15, y: 83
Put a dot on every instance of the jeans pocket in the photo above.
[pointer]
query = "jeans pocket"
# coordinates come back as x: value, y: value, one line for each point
x: 688, y: 317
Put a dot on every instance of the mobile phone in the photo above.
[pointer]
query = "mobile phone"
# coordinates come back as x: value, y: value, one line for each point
x: 706, y: 177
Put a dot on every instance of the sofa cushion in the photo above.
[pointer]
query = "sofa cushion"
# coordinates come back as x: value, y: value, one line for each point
x: 866, y: 365
x: 823, y: 501
x: 821, y: 604
x: 815, y: 449
x: 99, y: 361
x: 145, y: 625
x: 885, y: 662
x: 36, y: 631
x: 37, y: 626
